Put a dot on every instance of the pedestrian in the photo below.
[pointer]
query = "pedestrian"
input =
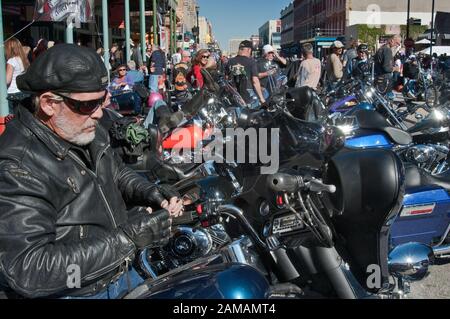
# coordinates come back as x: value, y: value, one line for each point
x: 310, y: 69
x: 384, y: 63
x: 243, y: 71
x: 351, y: 53
x: 115, y: 57
x: 268, y: 66
x: 136, y: 75
x: 64, y: 193
x: 136, y: 54
x: 40, y: 48
x: 101, y: 53
x: 177, y: 57
x: 156, y: 67
x: 126, y: 82
x: 16, y: 63
x: 335, y: 69
x: 186, y: 57
x: 195, y: 77
x: 360, y: 67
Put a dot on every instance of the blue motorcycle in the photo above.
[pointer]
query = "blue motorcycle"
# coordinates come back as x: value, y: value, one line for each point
x: 425, y: 216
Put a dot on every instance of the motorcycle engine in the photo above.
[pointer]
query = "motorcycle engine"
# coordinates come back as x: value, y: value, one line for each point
x: 186, y: 245
x: 431, y: 158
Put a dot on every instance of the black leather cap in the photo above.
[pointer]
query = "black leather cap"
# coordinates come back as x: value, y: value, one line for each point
x: 65, y: 68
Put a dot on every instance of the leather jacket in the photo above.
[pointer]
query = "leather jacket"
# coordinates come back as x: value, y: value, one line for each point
x: 61, y: 205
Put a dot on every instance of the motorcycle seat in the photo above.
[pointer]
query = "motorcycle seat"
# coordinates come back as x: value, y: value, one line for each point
x: 416, y: 177
x: 372, y: 120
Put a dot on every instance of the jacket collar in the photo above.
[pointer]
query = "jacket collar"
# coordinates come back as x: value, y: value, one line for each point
x: 59, y: 147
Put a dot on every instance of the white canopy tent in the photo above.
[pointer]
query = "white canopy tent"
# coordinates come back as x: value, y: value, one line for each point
x: 438, y: 50
x: 423, y: 41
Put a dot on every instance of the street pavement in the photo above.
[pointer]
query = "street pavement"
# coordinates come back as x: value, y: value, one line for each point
x: 436, y: 285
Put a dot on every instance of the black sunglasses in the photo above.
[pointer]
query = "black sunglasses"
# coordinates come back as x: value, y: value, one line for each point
x: 83, y: 107
x: 205, y: 57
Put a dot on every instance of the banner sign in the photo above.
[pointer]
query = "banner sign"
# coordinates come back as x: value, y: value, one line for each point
x: 60, y: 10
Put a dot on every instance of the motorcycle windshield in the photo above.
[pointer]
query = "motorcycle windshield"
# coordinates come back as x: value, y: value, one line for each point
x: 303, y: 137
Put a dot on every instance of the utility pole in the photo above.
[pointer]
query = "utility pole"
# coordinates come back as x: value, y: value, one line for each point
x: 155, y: 23
x: 408, y: 19
x: 69, y: 32
x: 127, y: 31
x: 105, y: 24
x: 432, y: 28
x: 142, y: 28
x: 197, y: 8
x: 4, y: 108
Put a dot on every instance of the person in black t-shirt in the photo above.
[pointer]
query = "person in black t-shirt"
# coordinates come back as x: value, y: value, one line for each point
x: 268, y: 67
x: 243, y: 72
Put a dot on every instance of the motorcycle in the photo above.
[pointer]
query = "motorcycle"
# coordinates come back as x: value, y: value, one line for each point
x: 424, y: 217
x: 318, y: 243
x: 308, y: 246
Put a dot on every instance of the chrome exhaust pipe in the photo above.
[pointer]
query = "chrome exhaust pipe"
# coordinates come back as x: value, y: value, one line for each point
x: 440, y: 251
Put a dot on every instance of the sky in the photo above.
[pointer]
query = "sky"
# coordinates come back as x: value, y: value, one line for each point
x: 239, y: 18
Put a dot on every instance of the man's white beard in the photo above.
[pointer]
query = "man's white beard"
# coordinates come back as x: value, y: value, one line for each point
x: 74, y: 134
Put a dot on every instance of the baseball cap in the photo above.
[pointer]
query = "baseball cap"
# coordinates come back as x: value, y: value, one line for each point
x: 363, y: 48
x: 268, y: 48
x: 337, y: 44
x: 65, y: 68
x: 246, y: 44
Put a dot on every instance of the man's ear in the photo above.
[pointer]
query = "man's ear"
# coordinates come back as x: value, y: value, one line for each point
x: 48, y: 104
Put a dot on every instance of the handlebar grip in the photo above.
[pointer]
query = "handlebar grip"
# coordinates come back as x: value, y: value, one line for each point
x: 186, y: 218
x: 285, y: 183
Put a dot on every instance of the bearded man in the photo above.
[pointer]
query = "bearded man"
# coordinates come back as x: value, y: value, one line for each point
x: 64, y: 193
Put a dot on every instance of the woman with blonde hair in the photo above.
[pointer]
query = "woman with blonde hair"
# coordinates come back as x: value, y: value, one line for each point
x: 17, y: 63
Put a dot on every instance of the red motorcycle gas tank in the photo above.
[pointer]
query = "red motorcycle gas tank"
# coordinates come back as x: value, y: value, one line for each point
x: 186, y: 137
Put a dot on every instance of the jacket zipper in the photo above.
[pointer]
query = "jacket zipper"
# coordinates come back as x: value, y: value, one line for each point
x: 75, y: 158
x: 109, y: 268
x: 107, y: 205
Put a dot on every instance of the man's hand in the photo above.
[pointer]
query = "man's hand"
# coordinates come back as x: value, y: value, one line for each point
x: 174, y: 206
x: 148, y: 230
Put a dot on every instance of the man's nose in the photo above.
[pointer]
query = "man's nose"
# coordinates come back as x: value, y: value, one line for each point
x: 98, y: 114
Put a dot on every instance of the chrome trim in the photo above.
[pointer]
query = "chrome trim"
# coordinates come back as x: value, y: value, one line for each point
x: 440, y: 251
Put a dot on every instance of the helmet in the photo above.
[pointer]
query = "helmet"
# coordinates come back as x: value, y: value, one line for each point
x: 153, y: 98
x: 363, y: 48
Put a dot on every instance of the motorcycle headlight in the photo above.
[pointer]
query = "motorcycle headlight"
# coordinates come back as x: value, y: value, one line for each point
x: 369, y: 94
x: 421, y: 153
x: 346, y: 129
